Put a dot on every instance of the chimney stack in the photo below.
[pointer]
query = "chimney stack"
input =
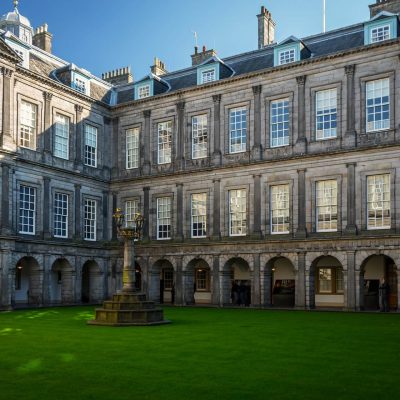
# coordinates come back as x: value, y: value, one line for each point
x: 198, y: 58
x: 158, y: 68
x: 42, y: 38
x: 392, y: 6
x: 266, y: 28
x: 119, y: 76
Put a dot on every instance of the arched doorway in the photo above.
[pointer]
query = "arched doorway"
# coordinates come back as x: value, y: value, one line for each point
x: 373, y: 269
x: 61, y: 282
x: 236, y: 283
x: 28, y: 282
x: 282, y: 283
x: 326, y: 283
x: 92, y: 287
x: 162, y: 282
x: 198, y: 282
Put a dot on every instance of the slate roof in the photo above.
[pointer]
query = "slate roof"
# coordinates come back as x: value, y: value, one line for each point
x: 319, y: 45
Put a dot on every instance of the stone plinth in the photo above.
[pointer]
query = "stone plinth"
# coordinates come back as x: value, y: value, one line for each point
x: 129, y: 309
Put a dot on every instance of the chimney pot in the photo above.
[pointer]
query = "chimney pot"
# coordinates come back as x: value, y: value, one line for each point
x: 204, y: 49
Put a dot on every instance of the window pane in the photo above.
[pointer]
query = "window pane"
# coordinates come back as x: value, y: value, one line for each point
x: 280, y: 209
x: 164, y: 218
x: 132, y: 148
x: 164, y: 142
x: 131, y: 209
x: 90, y: 146
x: 326, y: 114
x: 199, y: 137
x: 237, y: 213
x: 199, y: 214
x: 27, y: 210
x: 378, y: 105
x: 279, y: 115
x: 237, y: 130
x: 325, y: 280
x: 326, y: 205
x: 90, y: 220
x: 60, y: 215
x: 61, y: 137
x: 378, y: 202
x: 28, y: 122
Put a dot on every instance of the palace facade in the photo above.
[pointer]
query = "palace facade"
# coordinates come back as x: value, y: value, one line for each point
x: 269, y: 178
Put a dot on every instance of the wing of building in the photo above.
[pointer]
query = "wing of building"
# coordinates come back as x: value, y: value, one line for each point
x: 269, y: 178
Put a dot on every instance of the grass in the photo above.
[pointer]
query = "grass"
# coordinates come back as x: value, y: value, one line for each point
x: 204, y: 354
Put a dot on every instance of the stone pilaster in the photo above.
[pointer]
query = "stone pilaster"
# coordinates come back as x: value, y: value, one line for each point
x: 146, y: 142
x: 267, y: 286
x: 351, y: 281
x: 46, y: 208
x: 115, y: 145
x: 105, y: 215
x: 350, y: 137
x: 180, y: 153
x: 301, y: 231
x: 78, y: 135
x: 256, y: 293
x: 300, y: 301
x: 7, y: 100
x: 351, y: 228
x: 257, y: 206
x: 47, y: 96
x: 179, y: 211
x: 146, y: 212
x: 217, y: 210
x: 114, y: 207
x: 5, y: 199
x: 301, y: 144
x: 257, y: 151
x: 217, y: 154
x: 179, y: 282
x: 215, y: 291
x: 78, y: 216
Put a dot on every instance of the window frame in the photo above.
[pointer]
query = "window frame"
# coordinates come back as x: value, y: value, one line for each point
x: 204, y: 129
x: 245, y: 213
x: 66, y: 139
x: 388, y: 103
x: 368, y: 226
x: 377, y: 27
x: 334, y: 281
x: 317, y: 206
x: 87, y: 234
x: 202, y: 216
x: 86, y: 146
x: 271, y: 210
x: 34, y: 210
x: 324, y: 113
x: 133, y: 152
x: 168, y: 218
x: 55, y: 193
x: 206, y: 279
x: 171, y: 142
x: 33, y: 135
x: 244, y: 109
x: 129, y: 205
x: 272, y: 123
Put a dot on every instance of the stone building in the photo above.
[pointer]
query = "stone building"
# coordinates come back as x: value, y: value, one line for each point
x: 274, y: 172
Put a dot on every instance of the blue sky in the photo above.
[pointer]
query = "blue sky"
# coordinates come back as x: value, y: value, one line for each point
x: 101, y: 35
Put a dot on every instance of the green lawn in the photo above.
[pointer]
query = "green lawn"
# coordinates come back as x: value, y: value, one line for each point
x: 203, y: 354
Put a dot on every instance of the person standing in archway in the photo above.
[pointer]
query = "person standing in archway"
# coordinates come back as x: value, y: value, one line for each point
x: 384, y: 295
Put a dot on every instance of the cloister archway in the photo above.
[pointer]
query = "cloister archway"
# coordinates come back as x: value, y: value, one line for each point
x: 28, y: 282
x: 92, y: 286
x: 61, y: 282
x: 162, y: 282
x: 236, y: 282
x: 197, y: 282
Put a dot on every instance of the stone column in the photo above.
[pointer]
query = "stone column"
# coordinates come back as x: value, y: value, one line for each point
x: 256, y: 294
x: 301, y: 232
x: 146, y: 143
x: 188, y: 289
x: 225, y: 287
x: 115, y: 145
x: 351, y: 228
x: 301, y: 281
x: 180, y: 151
x: 267, y: 286
x: 146, y: 212
x: 105, y: 215
x: 217, y: 154
x: 7, y: 100
x: 350, y: 138
x: 217, y: 210
x: 179, y: 212
x: 5, y: 199
x: 47, y: 96
x: 215, y: 294
x: 46, y: 284
x: 179, y: 282
x: 257, y: 152
x: 46, y: 208
x: 114, y: 207
x: 257, y: 206
x: 78, y: 214
x: 351, y: 281
x: 301, y: 144
x: 78, y: 135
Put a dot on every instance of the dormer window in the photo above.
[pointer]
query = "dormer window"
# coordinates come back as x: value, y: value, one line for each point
x: 380, y: 33
x: 208, y: 76
x: 80, y: 85
x: 287, y: 56
x: 80, y: 82
x: 144, y: 91
x: 382, y: 27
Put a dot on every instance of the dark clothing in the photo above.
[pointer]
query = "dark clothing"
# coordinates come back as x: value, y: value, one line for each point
x: 384, y: 296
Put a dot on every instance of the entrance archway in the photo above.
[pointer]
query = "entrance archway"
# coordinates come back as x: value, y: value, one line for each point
x: 281, y: 288
x: 236, y: 283
x: 326, y: 283
x: 197, y: 282
x: 61, y: 282
x: 28, y: 282
x: 162, y: 282
x: 92, y: 288
x: 373, y: 269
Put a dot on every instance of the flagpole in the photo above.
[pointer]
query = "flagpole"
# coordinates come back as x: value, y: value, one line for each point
x: 324, y: 16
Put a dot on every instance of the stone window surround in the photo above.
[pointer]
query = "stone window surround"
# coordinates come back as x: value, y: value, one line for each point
x: 226, y: 126
x: 188, y: 220
x: 124, y: 152
x: 188, y: 133
x: 362, y: 82
x: 154, y: 143
x: 122, y: 145
x: 313, y: 110
x: 267, y: 203
x: 39, y: 121
x: 71, y: 208
x: 99, y: 215
x: 364, y: 216
x: 153, y: 214
x: 225, y: 209
x: 100, y: 146
x: 313, y: 183
x: 267, y: 106
x: 72, y: 131
x: 38, y: 206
